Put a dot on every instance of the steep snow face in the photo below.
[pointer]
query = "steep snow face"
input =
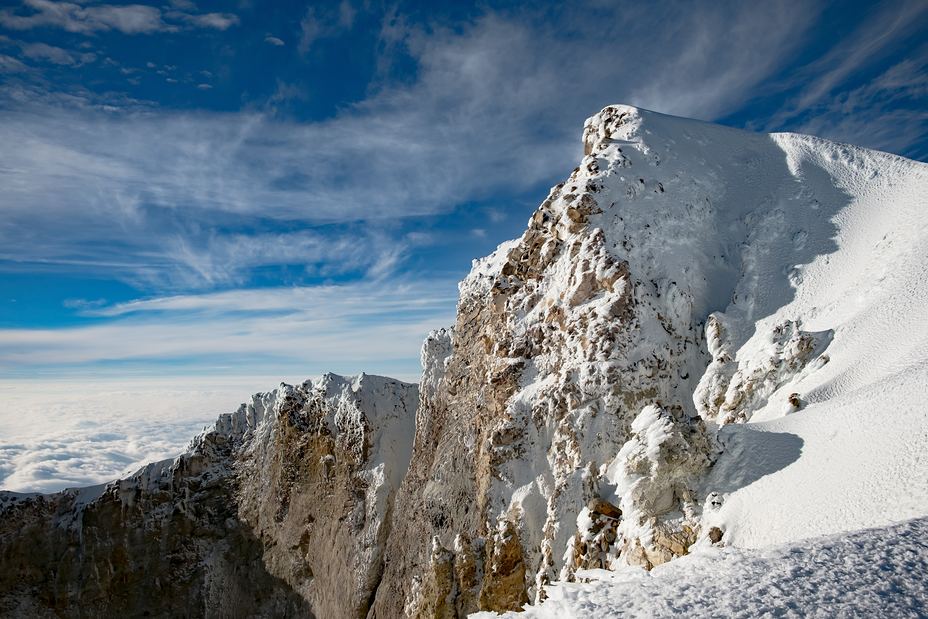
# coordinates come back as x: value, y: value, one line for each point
x: 281, y: 508
x: 684, y: 272
x: 805, y: 261
x: 839, y: 443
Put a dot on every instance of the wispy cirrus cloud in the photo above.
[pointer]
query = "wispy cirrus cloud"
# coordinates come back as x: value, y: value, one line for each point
x: 324, y: 21
x: 886, y: 112
x: 888, y: 27
x: 495, y: 109
x: 215, y: 21
x: 56, y: 55
x: 126, y: 18
x: 837, y: 95
x: 9, y: 64
x: 371, y: 326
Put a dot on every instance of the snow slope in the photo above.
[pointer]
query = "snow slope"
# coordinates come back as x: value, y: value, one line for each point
x: 854, y: 455
x: 833, y: 238
x: 873, y: 573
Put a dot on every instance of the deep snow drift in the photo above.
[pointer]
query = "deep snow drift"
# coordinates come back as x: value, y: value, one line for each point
x: 830, y: 238
x: 802, y: 231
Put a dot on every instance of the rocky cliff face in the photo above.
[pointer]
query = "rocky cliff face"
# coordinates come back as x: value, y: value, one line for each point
x: 562, y: 338
x: 281, y: 509
x: 565, y: 421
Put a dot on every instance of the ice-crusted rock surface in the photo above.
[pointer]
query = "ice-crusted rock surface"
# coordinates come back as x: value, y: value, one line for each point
x: 562, y: 338
x: 578, y: 371
x: 280, y: 509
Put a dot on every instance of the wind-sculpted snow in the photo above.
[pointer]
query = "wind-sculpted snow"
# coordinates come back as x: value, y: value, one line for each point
x: 871, y: 573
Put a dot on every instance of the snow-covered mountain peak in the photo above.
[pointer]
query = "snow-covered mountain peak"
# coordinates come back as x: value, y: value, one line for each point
x: 705, y: 337
x: 703, y: 272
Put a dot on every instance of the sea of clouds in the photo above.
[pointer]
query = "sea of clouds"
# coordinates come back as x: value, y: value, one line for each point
x: 61, y: 434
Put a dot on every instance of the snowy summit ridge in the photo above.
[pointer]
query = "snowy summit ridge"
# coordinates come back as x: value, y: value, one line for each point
x: 706, y: 338
x: 664, y: 337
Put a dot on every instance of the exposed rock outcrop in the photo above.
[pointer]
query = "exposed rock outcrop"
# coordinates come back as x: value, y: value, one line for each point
x: 281, y: 509
x: 732, y: 389
x: 586, y: 338
x: 561, y: 340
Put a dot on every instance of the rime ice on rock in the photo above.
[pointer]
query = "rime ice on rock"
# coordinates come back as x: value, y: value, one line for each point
x: 669, y: 233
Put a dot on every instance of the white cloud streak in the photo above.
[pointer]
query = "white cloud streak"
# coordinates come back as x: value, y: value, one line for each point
x: 349, y: 328
x: 8, y: 64
x: 55, y: 55
x: 321, y: 22
x: 127, y: 18
x: 885, y: 113
x: 495, y: 110
x: 215, y: 21
x: 891, y: 23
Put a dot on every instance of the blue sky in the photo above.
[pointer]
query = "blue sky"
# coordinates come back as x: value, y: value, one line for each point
x: 259, y: 188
